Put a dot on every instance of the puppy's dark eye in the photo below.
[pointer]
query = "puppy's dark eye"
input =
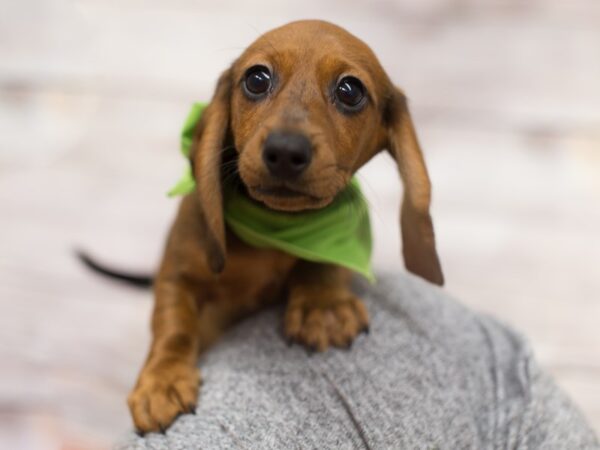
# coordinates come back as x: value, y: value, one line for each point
x: 350, y: 91
x: 257, y: 80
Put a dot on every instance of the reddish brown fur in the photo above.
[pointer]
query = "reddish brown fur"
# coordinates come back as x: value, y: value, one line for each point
x: 203, y: 284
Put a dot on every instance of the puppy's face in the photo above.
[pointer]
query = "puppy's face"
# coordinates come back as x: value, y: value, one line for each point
x: 306, y: 105
x: 305, y: 113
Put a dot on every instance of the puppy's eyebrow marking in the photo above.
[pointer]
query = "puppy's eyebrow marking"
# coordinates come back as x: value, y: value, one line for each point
x: 268, y: 41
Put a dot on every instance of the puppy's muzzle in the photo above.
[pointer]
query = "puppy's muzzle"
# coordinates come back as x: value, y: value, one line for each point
x: 287, y: 154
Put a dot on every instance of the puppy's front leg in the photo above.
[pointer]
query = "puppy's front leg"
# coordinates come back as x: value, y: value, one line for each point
x: 322, y: 311
x: 168, y: 383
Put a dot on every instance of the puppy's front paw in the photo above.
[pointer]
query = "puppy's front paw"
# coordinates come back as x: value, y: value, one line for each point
x: 161, y: 394
x: 321, y: 323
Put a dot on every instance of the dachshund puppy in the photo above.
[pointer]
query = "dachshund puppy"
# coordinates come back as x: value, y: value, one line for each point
x: 318, y: 101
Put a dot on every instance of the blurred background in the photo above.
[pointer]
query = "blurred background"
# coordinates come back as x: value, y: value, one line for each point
x: 506, y: 100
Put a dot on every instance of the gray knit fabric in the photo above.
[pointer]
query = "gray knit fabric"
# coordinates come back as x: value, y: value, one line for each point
x: 430, y: 375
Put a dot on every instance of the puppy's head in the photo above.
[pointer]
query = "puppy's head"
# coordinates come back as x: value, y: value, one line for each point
x: 305, y: 106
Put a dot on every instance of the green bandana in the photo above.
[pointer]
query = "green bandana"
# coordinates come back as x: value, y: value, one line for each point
x: 339, y: 234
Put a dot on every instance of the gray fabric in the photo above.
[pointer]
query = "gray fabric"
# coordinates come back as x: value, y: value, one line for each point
x: 430, y: 375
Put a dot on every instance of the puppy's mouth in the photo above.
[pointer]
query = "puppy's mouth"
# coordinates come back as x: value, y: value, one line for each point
x: 285, y: 198
x: 282, y: 191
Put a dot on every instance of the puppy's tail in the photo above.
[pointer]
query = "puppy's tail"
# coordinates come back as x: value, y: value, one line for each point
x: 134, y: 279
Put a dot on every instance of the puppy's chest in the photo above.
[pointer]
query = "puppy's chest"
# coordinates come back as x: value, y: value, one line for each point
x: 253, y: 277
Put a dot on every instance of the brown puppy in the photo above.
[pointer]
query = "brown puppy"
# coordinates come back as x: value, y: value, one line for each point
x: 305, y: 106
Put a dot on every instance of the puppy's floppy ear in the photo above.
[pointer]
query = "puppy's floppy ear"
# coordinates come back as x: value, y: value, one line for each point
x: 418, y: 240
x: 205, y: 156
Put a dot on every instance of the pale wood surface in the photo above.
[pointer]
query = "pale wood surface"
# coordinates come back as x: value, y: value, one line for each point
x: 506, y: 97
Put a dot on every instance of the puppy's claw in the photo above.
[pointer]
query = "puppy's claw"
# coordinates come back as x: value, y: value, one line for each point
x: 139, y: 433
x: 163, y: 430
x: 311, y: 350
x: 366, y: 330
x: 333, y: 321
x: 191, y: 409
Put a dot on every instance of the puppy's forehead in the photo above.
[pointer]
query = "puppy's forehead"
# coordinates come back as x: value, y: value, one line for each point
x: 312, y: 35
x: 312, y: 43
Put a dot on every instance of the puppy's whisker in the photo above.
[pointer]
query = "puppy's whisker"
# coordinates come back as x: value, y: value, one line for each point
x: 267, y: 40
x: 356, y: 194
x: 365, y: 182
x: 347, y: 202
x: 232, y: 176
x: 218, y: 154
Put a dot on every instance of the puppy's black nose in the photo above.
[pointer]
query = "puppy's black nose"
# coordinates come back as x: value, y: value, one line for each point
x: 287, y: 154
